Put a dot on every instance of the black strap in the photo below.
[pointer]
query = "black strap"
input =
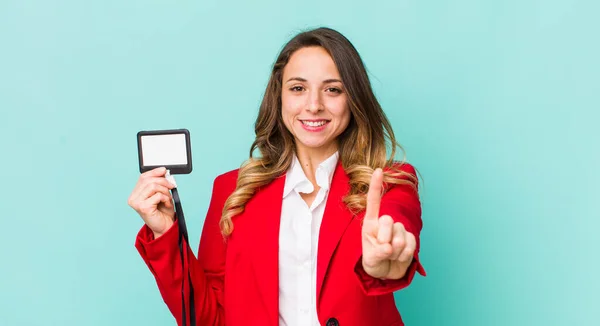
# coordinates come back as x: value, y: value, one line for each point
x: 183, y: 235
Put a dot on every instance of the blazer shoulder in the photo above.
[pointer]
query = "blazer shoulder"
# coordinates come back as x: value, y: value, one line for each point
x: 408, y: 172
x: 226, y: 182
x: 405, y: 167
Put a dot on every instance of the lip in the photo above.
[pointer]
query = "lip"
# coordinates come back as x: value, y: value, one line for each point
x: 314, y: 129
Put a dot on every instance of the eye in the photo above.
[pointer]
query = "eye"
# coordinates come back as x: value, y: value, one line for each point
x: 334, y: 90
x: 297, y: 89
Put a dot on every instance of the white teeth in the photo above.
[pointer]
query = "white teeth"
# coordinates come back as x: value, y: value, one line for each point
x: 314, y: 124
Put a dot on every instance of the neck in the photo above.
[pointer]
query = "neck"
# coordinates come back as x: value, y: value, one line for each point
x: 310, y: 158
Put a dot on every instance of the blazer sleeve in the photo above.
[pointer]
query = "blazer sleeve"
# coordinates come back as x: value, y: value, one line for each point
x: 207, y: 272
x: 402, y: 203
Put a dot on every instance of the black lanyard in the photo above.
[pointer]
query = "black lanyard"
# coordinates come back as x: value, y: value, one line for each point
x: 183, y: 235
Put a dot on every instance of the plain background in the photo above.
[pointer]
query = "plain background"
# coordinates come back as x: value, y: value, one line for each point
x: 495, y: 102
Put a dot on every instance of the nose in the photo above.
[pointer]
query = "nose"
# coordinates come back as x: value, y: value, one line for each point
x: 314, y: 102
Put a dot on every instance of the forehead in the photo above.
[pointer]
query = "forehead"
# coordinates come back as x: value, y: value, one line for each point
x: 311, y: 63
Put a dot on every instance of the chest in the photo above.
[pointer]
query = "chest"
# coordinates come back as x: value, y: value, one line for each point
x: 271, y: 231
x: 309, y: 198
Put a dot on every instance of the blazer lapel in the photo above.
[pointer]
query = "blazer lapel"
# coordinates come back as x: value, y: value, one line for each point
x: 266, y: 216
x: 335, y: 220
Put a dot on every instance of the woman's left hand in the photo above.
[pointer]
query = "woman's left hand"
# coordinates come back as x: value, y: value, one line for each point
x: 387, y: 247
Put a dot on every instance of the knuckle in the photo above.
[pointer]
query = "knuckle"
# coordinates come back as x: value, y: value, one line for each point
x: 141, y: 185
x: 399, y: 242
x: 133, y: 203
x: 154, y: 188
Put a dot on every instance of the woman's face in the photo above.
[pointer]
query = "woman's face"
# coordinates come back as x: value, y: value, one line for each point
x: 313, y: 99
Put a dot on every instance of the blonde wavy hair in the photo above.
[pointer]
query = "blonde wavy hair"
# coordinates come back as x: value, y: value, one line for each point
x: 363, y: 146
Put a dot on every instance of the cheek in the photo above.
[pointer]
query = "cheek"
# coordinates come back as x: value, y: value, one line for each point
x: 341, y: 112
x: 344, y: 120
x: 288, y: 111
x: 285, y: 106
x: 290, y: 106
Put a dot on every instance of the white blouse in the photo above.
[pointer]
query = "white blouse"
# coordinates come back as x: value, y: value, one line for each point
x: 298, y: 243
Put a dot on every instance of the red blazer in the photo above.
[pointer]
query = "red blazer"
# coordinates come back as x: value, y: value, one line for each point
x: 236, y: 282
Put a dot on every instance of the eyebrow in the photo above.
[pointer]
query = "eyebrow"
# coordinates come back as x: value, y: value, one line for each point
x: 326, y: 81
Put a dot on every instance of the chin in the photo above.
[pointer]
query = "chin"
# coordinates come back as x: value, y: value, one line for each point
x: 314, y: 144
x: 313, y: 140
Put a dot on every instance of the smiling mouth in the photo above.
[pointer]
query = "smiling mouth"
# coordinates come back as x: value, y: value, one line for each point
x: 314, y: 123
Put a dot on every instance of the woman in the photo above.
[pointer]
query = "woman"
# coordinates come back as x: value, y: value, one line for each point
x: 320, y: 228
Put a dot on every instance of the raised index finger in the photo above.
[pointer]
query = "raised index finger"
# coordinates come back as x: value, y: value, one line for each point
x: 374, y: 195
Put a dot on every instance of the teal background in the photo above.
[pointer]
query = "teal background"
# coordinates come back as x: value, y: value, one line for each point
x: 495, y: 102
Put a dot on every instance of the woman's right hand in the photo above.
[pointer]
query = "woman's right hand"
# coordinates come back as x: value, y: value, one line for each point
x: 151, y: 199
